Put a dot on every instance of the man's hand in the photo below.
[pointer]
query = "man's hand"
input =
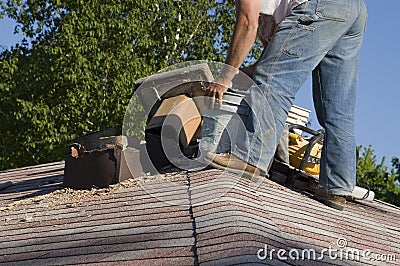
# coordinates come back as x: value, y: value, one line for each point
x: 217, y: 88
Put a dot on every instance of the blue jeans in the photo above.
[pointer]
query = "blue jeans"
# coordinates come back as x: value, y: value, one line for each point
x: 323, y: 37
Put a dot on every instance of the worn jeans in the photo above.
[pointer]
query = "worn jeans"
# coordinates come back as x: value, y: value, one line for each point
x: 323, y: 37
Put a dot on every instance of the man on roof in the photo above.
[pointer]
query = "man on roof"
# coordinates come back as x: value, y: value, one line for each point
x: 322, y: 37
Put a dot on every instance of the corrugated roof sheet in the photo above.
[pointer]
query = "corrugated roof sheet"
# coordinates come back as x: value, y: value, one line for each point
x: 207, y: 218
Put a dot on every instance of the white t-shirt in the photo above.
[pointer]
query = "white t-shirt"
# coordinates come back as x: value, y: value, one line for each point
x: 278, y: 8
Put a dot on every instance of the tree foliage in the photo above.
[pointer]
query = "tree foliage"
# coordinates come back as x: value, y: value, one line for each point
x: 378, y: 177
x: 75, y: 69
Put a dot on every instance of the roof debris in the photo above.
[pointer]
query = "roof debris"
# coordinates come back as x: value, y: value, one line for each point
x: 70, y: 197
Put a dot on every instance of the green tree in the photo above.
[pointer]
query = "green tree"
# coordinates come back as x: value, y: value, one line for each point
x: 378, y: 177
x: 75, y: 69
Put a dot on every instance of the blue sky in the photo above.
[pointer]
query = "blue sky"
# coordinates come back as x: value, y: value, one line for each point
x: 378, y: 102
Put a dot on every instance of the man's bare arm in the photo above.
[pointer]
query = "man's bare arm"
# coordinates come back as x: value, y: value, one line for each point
x: 244, y: 35
x: 245, y: 32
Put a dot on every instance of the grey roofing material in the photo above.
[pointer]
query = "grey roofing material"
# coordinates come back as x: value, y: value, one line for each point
x: 207, y: 218
x: 125, y: 224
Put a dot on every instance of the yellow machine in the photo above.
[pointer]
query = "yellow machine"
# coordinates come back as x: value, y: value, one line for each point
x: 297, y: 148
x: 303, y: 168
x: 304, y: 163
x: 305, y: 154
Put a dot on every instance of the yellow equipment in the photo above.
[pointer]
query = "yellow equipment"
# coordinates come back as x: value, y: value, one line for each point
x: 305, y: 154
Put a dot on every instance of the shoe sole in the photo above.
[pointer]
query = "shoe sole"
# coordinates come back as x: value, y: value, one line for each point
x: 330, y: 203
x: 245, y: 174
